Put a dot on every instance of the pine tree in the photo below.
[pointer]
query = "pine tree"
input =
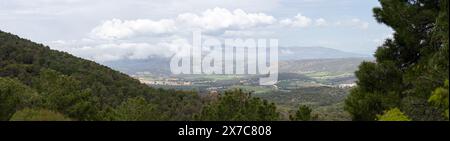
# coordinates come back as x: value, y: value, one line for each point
x: 393, y: 115
x: 236, y: 105
x: 15, y: 96
x: 408, y: 67
x: 302, y: 114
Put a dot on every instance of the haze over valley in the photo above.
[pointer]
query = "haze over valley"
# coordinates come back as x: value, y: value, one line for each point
x: 315, y: 76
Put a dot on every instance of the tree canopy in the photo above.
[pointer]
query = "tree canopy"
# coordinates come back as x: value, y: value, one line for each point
x: 393, y: 115
x: 302, y: 114
x: 408, y: 67
x: 237, y: 105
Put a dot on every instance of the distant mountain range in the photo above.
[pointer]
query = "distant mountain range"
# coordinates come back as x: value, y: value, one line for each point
x: 302, y: 53
x: 288, y: 56
x: 155, y: 65
x: 339, y: 65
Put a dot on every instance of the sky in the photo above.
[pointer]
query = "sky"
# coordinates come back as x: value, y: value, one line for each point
x: 109, y: 30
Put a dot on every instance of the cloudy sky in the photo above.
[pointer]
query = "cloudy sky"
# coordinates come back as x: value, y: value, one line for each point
x: 106, y: 30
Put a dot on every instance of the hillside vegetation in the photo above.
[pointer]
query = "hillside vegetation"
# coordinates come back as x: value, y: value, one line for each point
x: 34, y: 76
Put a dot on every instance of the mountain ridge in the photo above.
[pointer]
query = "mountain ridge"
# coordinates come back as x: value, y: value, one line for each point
x: 303, y: 53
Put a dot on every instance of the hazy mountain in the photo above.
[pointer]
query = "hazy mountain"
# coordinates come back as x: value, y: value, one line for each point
x: 331, y: 59
x: 155, y: 65
x: 302, y: 53
x: 340, y: 65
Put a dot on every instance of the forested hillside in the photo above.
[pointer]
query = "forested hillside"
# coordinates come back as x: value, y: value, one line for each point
x: 409, y: 80
x: 35, y: 77
x: 37, y: 83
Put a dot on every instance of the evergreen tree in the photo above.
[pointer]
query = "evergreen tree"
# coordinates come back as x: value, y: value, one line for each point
x: 15, y: 96
x: 236, y: 105
x: 302, y: 114
x: 440, y: 98
x: 408, y: 67
x: 135, y: 109
x: 38, y: 115
x: 65, y: 94
x: 393, y: 115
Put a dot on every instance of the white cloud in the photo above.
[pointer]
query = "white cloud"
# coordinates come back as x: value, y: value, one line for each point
x: 297, y: 21
x: 356, y: 23
x: 240, y: 33
x: 303, y: 21
x: 70, y: 20
x: 108, y: 51
x: 211, y: 20
x: 216, y: 20
x: 116, y: 28
x: 220, y: 18
x: 164, y: 37
x: 321, y: 22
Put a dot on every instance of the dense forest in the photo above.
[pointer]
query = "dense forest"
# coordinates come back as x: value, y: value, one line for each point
x: 35, y: 80
x: 409, y: 80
